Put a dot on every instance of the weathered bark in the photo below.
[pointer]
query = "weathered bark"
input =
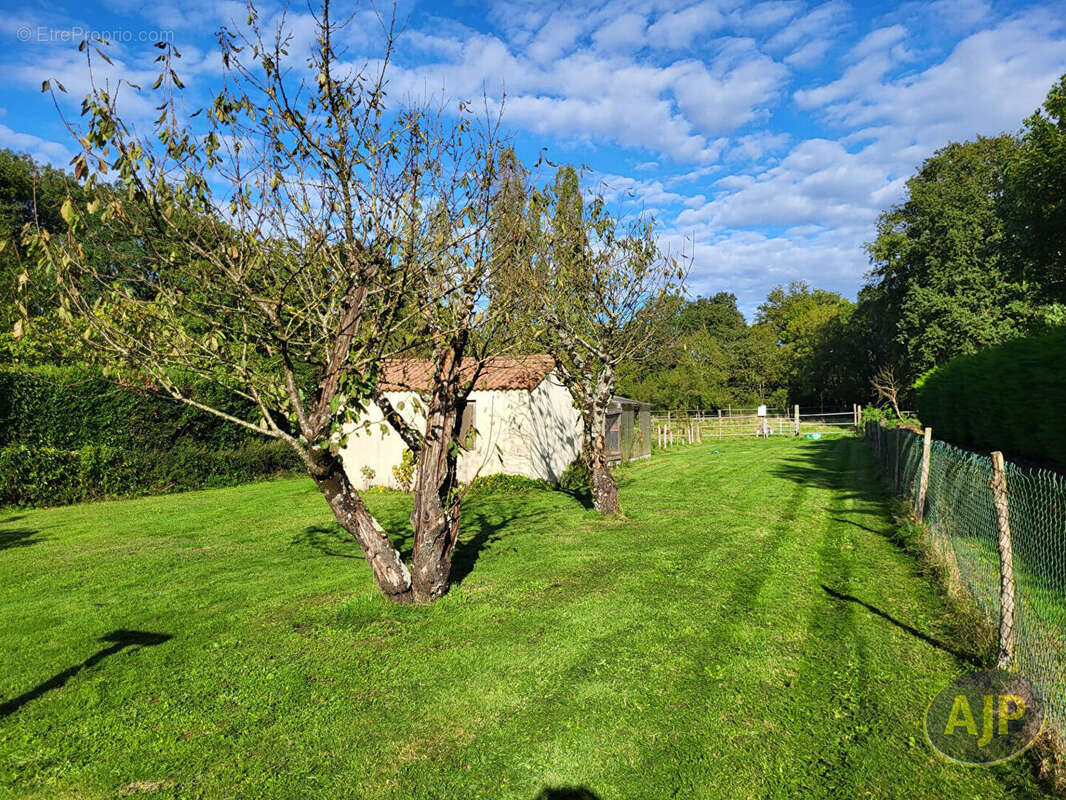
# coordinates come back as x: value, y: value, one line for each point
x: 604, y: 488
x: 436, y: 521
x: 435, y: 517
x: 352, y: 514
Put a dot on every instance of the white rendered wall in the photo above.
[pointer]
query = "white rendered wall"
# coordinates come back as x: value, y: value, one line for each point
x: 555, y: 436
x: 508, y: 440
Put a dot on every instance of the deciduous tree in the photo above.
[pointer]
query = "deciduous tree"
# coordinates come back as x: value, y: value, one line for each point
x: 606, y: 291
x: 285, y: 231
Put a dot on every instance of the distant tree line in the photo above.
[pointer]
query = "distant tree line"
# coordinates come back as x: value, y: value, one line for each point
x: 973, y: 256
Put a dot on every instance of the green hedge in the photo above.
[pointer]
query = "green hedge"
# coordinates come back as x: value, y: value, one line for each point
x: 46, y: 476
x: 68, y: 434
x: 1011, y: 397
x: 68, y: 408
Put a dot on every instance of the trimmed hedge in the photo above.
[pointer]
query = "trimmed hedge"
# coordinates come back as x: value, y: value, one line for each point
x: 68, y: 434
x: 70, y: 407
x: 1011, y: 397
x: 46, y: 476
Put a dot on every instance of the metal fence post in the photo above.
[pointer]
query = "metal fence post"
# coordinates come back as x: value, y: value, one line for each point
x: 1006, y: 563
x: 923, y: 481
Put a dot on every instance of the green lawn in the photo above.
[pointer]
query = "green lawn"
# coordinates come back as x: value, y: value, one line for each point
x: 748, y: 631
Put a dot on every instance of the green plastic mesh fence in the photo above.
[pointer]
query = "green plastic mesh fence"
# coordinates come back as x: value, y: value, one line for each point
x: 960, y: 516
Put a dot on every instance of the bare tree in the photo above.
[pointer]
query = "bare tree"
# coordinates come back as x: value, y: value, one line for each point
x: 887, y: 388
x: 283, y: 232
x: 606, y: 292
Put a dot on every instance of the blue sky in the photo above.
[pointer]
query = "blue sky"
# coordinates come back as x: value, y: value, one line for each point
x: 769, y: 134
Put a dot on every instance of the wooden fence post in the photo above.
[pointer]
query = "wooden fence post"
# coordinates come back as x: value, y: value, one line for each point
x: 858, y: 419
x: 923, y: 481
x: 1006, y: 563
x: 797, y: 420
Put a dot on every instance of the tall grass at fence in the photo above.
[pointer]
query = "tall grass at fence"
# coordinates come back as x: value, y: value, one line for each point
x: 960, y: 517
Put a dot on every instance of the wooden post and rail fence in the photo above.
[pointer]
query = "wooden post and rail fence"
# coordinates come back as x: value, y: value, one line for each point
x: 675, y: 428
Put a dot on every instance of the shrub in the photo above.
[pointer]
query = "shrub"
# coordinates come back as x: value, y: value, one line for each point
x: 46, y: 476
x: 510, y: 484
x: 576, y: 477
x: 67, y: 434
x: 1010, y: 397
x: 404, y: 472
x: 887, y: 417
x: 68, y: 408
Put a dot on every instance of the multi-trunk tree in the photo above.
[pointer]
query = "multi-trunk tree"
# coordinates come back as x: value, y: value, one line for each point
x: 288, y: 233
x: 604, y: 293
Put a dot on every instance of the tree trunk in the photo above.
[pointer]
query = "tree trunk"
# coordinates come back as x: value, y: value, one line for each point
x: 604, y: 489
x: 435, y: 517
x: 605, y: 492
x: 353, y: 515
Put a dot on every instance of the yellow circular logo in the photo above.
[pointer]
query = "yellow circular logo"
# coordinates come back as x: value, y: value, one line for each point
x: 984, y: 718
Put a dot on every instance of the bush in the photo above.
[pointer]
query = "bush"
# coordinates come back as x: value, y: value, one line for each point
x: 887, y: 417
x: 576, y: 477
x: 404, y: 472
x: 510, y: 484
x: 46, y: 476
x: 1010, y: 397
x: 68, y: 408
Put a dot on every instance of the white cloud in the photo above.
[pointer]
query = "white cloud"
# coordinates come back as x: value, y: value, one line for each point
x: 819, y: 182
x: 769, y: 14
x: 49, y: 152
x: 729, y: 94
x: 678, y: 29
x: 987, y: 84
x: 623, y: 31
x: 875, y: 55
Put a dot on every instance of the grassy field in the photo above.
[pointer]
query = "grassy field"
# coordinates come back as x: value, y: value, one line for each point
x: 748, y: 631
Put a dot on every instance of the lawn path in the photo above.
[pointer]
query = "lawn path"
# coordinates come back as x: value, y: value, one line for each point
x: 748, y: 630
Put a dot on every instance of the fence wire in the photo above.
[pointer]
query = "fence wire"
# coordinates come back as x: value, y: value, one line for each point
x: 961, y: 518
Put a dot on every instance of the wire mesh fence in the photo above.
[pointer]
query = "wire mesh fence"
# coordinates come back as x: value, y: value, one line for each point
x: 960, y: 513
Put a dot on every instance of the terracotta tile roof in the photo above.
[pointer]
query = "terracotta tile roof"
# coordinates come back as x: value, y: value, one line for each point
x: 497, y: 374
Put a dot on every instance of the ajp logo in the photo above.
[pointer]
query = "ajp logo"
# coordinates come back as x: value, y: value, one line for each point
x: 984, y: 718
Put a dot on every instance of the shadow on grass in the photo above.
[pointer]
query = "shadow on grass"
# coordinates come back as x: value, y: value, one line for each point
x: 329, y: 540
x: 332, y: 540
x: 968, y: 658
x: 120, y: 640
x: 858, y: 525
x: 19, y: 537
x: 567, y: 793
x: 823, y: 465
x: 486, y: 518
x: 819, y: 464
x: 582, y: 496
